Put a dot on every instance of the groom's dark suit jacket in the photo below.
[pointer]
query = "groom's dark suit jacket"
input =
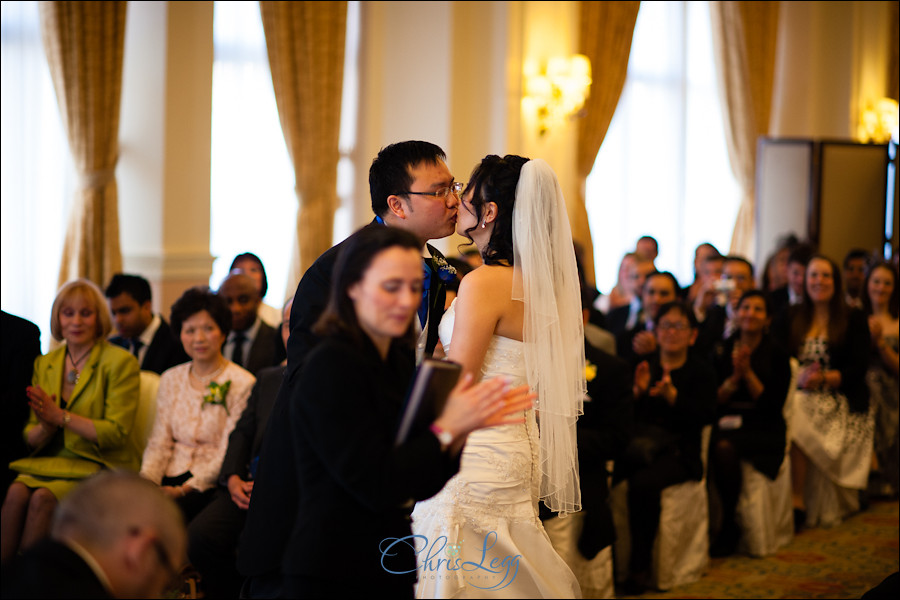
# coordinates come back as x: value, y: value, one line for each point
x: 273, y: 505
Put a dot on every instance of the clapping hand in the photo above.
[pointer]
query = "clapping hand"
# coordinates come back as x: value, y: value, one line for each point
x: 811, y: 377
x: 641, y: 379
x: 44, y: 407
x: 740, y: 360
x: 665, y: 388
x: 644, y: 342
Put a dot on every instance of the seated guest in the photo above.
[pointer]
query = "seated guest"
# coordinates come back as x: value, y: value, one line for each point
x: 21, y: 345
x: 603, y: 433
x: 702, y: 253
x: 855, y: 264
x: 880, y: 299
x: 791, y: 294
x: 674, y: 398
x: 774, y: 274
x: 252, y: 343
x: 143, y: 333
x: 618, y: 295
x: 83, y: 400
x: 754, y: 373
x: 624, y: 317
x: 213, y: 534
x: 197, y: 405
x: 647, y: 248
x: 831, y: 424
x: 720, y: 321
x: 639, y: 342
x: 115, y: 536
x: 708, y: 294
x: 250, y: 264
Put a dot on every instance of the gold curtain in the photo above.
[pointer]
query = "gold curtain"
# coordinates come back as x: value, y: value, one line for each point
x: 606, y: 32
x: 84, y: 43
x: 305, y: 42
x: 744, y: 44
x: 893, y: 61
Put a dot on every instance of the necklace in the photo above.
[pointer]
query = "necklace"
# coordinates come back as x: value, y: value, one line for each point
x: 205, y: 379
x: 73, y: 375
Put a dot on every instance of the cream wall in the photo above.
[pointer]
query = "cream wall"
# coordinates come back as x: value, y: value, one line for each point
x: 165, y: 127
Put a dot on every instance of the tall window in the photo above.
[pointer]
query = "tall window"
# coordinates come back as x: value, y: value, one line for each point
x: 252, y: 206
x: 663, y: 168
x: 37, y: 180
x: 253, y: 202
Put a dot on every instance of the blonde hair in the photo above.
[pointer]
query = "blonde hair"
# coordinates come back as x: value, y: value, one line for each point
x: 86, y: 289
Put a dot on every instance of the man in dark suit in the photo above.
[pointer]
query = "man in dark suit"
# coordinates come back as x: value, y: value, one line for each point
x: 115, y: 536
x: 622, y: 318
x: 145, y: 334
x: 213, y: 534
x: 21, y: 345
x: 252, y: 343
x: 410, y: 188
x: 719, y: 322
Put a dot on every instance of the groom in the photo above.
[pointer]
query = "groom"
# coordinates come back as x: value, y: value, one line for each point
x: 411, y: 188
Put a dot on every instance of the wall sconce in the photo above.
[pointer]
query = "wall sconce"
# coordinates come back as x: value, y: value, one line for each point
x: 556, y: 91
x: 878, y: 121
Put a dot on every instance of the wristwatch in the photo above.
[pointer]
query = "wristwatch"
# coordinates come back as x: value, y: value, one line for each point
x: 443, y: 436
x: 67, y: 418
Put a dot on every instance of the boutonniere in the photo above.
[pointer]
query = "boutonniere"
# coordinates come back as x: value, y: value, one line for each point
x: 216, y: 394
x: 445, y: 271
x: 590, y: 370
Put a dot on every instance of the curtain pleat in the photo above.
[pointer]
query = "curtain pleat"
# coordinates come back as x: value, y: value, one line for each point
x: 305, y: 44
x: 84, y: 44
x: 607, y: 29
x: 744, y: 45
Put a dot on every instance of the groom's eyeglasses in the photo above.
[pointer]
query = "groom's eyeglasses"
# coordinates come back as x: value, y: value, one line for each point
x: 455, y: 188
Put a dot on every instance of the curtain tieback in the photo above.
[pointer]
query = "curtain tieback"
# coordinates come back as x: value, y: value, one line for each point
x: 97, y: 179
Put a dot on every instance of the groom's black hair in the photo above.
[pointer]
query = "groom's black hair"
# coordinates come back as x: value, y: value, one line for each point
x: 389, y: 173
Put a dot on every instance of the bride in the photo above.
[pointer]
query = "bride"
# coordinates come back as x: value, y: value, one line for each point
x: 518, y: 315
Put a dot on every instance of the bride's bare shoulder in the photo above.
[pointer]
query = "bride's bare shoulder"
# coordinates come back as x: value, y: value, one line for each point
x: 486, y: 279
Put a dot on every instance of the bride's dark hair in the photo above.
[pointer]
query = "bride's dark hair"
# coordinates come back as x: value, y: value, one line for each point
x: 495, y: 180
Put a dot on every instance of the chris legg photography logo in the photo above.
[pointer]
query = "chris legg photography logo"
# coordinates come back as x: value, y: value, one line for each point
x: 441, y: 560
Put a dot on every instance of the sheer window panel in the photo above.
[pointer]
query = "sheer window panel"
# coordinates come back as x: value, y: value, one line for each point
x: 37, y: 176
x: 663, y: 168
x: 253, y: 205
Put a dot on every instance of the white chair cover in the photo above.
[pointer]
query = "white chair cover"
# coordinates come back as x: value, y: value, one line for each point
x: 764, y: 511
x: 681, y: 549
x: 146, y: 412
x: 595, y: 576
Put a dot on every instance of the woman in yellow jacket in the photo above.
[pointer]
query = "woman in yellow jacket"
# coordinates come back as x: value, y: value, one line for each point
x: 83, y: 399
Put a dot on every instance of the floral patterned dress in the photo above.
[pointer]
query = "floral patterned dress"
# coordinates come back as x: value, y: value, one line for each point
x: 837, y: 440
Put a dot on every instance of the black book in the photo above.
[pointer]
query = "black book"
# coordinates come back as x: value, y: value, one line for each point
x: 427, y: 395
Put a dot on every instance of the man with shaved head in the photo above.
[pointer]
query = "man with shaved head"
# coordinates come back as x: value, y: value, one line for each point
x: 252, y: 343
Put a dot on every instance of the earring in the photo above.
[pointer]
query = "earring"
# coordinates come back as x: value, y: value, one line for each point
x: 482, y: 224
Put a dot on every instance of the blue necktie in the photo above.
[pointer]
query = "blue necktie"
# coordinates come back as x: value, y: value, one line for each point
x: 426, y: 284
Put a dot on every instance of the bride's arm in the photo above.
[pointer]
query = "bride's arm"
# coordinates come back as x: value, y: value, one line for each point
x: 478, y: 309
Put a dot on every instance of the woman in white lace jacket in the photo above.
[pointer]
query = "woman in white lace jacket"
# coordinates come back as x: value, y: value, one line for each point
x: 198, y: 404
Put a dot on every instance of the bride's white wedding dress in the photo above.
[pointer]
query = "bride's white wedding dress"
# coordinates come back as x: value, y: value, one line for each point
x: 482, y: 537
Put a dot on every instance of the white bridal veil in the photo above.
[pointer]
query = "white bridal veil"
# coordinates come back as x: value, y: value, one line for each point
x: 545, y: 278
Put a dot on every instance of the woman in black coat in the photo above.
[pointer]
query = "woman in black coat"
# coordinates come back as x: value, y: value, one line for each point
x: 754, y: 373
x: 357, y: 489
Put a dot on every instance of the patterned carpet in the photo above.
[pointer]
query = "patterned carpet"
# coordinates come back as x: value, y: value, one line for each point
x: 842, y: 562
